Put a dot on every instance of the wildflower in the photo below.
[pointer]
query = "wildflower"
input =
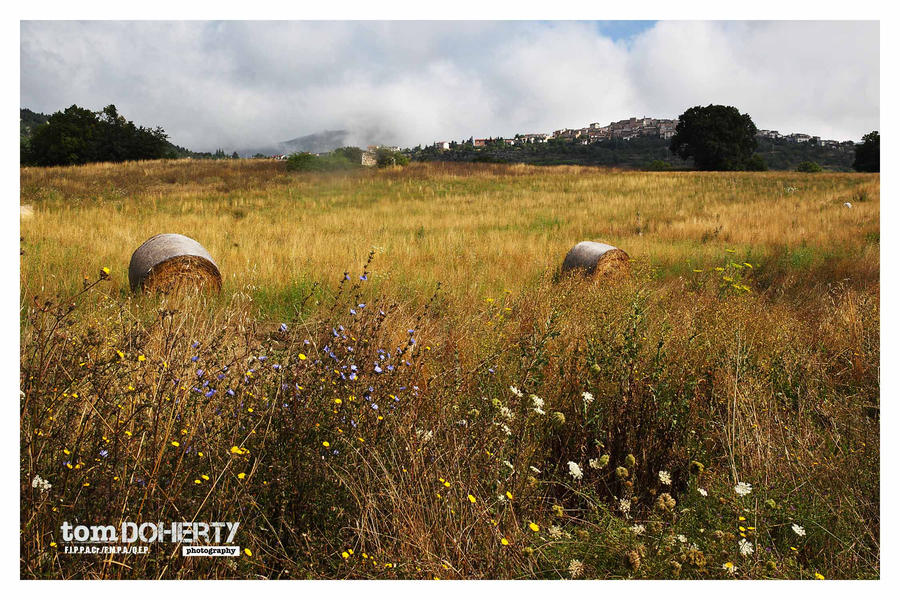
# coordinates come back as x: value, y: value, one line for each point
x: 247, y: 552
x: 665, y: 478
x: 665, y: 502
x: 634, y: 558
x: 104, y: 273
x: 141, y: 358
x: 558, y: 418
x: 574, y: 470
x: 534, y: 526
x: 587, y: 397
x: 509, y: 494
x: 621, y: 472
x: 798, y: 529
x: 326, y: 444
x: 504, y: 541
x: 235, y: 450
x: 681, y: 538
x: 301, y: 356
x: 742, y: 489
x: 594, y: 463
x: 555, y: 532
x: 745, y: 547
x: 625, y: 505
x: 344, y: 555
x: 528, y: 550
x: 537, y: 404
x: 819, y: 575
x: 630, y: 460
x: 638, y: 529
x: 729, y: 568
x: 176, y: 444
x: 472, y: 499
x: 515, y: 391
x: 576, y: 568
x: 702, y: 492
x: 558, y: 510
x: 241, y: 475
x: 40, y: 483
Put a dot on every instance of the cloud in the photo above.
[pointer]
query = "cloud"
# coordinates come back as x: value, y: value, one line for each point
x: 242, y: 84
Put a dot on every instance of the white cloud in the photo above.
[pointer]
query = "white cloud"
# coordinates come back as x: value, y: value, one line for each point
x: 240, y: 84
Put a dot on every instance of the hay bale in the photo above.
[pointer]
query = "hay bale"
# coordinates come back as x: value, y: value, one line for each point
x: 170, y: 262
x: 594, y: 259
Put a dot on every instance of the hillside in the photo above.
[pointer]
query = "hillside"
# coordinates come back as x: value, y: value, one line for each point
x: 637, y: 153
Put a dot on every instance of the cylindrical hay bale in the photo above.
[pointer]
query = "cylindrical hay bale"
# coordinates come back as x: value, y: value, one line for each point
x: 169, y: 262
x: 596, y: 260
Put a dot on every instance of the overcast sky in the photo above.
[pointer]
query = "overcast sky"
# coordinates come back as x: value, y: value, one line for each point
x: 241, y: 84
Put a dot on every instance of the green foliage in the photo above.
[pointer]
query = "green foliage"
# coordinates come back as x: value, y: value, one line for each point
x: 351, y: 153
x: 868, y: 154
x: 335, y: 161
x: 385, y: 157
x: 809, y: 166
x: 718, y: 138
x: 659, y: 165
x: 78, y: 136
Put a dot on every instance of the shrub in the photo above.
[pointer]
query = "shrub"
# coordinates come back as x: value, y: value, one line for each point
x: 304, y: 161
x: 809, y: 166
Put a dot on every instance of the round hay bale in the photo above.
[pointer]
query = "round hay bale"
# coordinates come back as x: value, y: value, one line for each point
x: 170, y: 262
x: 596, y: 260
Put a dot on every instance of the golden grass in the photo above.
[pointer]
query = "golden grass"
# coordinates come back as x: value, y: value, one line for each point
x: 478, y: 229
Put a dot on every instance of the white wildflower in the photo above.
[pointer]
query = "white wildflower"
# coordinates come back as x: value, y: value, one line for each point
x: 588, y: 397
x: 554, y: 531
x: 665, y: 478
x: 681, y: 538
x: 575, y: 470
x: 40, y: 483
x: 742, y: 489
x: 424, y: 436
x: 702, y: 492
x: 576, y: 568
x: 638, y: 529
x: 537, y: 404
x: 505, y: 429
x: 506, y: 413
x: 745, y: 547
x: 502, y: 499
x: 798, y: 529
x: 515, y: 391
x: 625, y: 505
x: 594, y: 463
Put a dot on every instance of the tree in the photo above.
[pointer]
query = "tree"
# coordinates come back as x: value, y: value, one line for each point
x: 718, y: 138
x: 77, y: 135
x: 809, y: 166
x: 868, y: 154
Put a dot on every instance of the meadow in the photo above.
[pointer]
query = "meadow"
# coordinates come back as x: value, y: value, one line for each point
x: 396, y: 382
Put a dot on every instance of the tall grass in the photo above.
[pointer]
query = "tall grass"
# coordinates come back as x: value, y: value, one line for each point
x: 505, y: 424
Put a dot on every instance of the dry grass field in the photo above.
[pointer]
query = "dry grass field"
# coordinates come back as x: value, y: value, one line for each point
x: 452, y: 407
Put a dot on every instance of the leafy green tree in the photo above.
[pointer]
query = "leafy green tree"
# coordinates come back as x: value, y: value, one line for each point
x: 718, y: 138
x: 808, y: 166
x: 351, y: 153
x: 77, y: 136
x: 868, y: 154
x: 385, y: 157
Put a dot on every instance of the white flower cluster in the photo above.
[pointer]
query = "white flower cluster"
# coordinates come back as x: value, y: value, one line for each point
x: 745, y: 547
x: 798, y: 529
x: 665, y: 478
x: 537, y: 404
x: 587, y: 397
x: 575, y: 470
x: 742, y: 489
x: 515, y: 391
x: 40, y: 483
